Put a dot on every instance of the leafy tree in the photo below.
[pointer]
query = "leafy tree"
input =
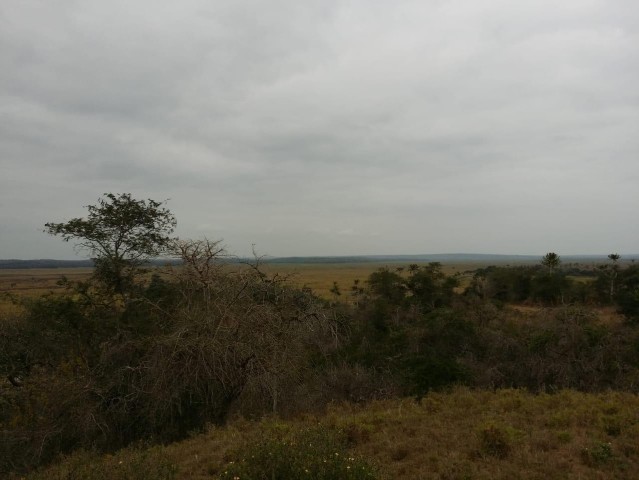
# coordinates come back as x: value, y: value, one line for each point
x: 627, y: 294
x: 121, y: 234
x: 387, y: 285
x: 554, y: 286
x: 551, y: 261
x: 504, y: 284
x: 430, y: 287
x: 551, y: 288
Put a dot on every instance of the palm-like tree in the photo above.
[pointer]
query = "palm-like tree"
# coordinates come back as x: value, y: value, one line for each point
x: 551, y: 261
x: 614, y: 257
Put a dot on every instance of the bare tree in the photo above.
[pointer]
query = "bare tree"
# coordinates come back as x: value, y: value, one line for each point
x: 235, y: 332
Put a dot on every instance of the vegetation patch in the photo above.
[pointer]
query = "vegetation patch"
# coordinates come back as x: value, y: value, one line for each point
x: 126, y: 354
x: 316, y: 453
x: 131, y: 464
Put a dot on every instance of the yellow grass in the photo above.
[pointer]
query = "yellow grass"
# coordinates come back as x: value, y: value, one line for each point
x: 21, y: 283
x: 318, y: 277
x: 441, y: 437
x: 38, y: 281
x: 507, y: 434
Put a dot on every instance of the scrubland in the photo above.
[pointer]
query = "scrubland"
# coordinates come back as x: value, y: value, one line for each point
x: 416, y: 371
x: 210, y: 369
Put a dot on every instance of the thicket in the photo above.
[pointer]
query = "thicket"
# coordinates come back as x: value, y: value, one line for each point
x: 134, y: 355
x: 429, y: 337
x: 99, y: 371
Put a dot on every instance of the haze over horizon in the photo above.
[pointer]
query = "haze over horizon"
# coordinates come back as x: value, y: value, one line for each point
x: 421, y: 257
x: 322, y: 128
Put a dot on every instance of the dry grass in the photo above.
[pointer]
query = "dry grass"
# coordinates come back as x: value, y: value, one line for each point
x: 22, y: 283
x: 606, y: 315
x: 318, y: 277
x: 462, y: 434
x: 40, y: 279
x: 507, y: 434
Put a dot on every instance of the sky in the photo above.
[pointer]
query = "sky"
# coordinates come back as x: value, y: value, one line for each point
x: 327, y: 127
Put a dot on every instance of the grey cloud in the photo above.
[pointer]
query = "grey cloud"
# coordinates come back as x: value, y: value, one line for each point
x: 328, y: 127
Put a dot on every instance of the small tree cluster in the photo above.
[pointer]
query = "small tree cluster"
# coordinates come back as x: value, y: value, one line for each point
x: 425, y: 286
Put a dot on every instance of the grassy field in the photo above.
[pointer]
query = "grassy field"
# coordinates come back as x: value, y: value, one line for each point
x: 38, y: 281
x: 318, y: 277
x: 17, y: 284
x: 461, y: 434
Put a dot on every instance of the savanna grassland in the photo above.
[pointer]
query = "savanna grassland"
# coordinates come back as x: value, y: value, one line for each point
x: 21, y: 284
x: 450, y: 433
x: 319, y: 277
x: 211, y: 369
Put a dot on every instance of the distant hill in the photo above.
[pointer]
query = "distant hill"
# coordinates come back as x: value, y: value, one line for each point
x: 419, y: 258
x: 44, y: 263
x: 444, y: 258
x: 50, y: 263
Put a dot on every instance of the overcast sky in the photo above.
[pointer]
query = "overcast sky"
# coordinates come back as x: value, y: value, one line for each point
x: 327, y: 127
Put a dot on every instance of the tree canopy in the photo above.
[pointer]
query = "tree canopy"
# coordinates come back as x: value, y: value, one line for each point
x: 551, y: 261
x: 120, y: 233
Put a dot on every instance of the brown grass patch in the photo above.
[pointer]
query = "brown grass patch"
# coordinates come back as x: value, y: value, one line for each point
x: 461, y: 434
x: 320, y: 277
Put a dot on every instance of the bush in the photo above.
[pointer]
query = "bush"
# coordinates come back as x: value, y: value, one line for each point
x: 628, y: 293
x: 598, y: 454
x: 567, y: 347
x: 494, y: 440
x: 503, y: 284
x: 315, y: 454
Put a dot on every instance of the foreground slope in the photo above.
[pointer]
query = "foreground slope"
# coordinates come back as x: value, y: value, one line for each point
x: 460, y: 434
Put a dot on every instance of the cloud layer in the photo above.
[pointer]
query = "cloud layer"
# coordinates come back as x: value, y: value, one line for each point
x: 327, y: 127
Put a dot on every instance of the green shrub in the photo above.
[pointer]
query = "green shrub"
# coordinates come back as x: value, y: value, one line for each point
x: 494, y: 441
x: 599, y: 454
x: 315, y: 454
x: 564, y: 437
x: 612, y: 425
